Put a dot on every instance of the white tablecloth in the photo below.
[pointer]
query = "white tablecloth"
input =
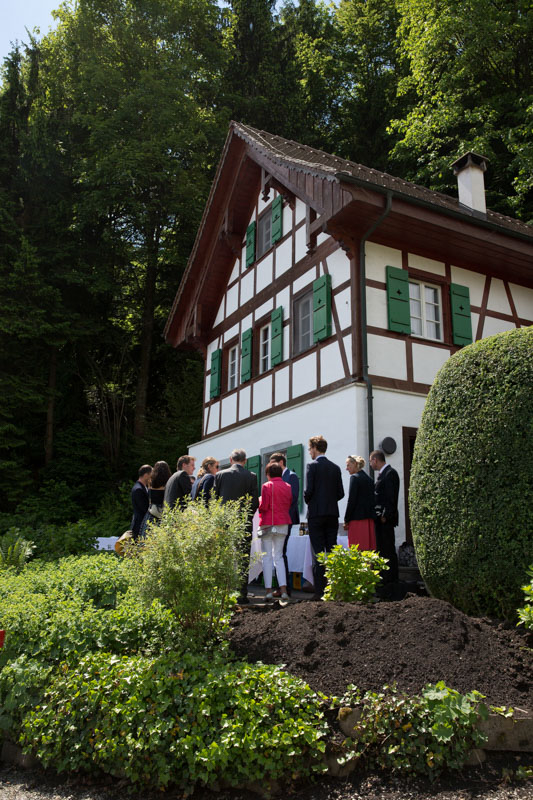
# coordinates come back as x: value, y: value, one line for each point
x: 299, y: 553
x: 106, y: 542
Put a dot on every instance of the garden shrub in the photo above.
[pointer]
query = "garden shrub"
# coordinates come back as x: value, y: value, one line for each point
x: 352, y: 574
x: 55, y: 541
x: 14, y: 551
x: 50, y: 627
x: 193, y: 562
x: 471, y: 489
x: 22, y: 685
x: 99, y: 577
x: 178, y: 719
x: 416, y: 734
x: 525, y: 614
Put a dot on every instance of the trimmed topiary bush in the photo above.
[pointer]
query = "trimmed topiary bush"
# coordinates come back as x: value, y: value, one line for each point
x: 471, y: 491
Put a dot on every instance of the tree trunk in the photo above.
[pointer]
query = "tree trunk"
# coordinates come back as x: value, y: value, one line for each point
x: 147, y: 330
x: 52, y: 382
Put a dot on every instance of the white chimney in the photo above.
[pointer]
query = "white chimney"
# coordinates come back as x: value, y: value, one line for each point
x: 469, y: 170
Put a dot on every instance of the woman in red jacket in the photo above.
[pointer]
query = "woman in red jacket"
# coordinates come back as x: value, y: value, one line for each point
x: 274, y: 521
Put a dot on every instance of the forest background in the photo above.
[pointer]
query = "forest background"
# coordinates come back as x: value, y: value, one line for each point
x: 111, y: 127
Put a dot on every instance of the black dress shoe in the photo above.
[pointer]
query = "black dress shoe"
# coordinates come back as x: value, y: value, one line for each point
x: 242, y: 601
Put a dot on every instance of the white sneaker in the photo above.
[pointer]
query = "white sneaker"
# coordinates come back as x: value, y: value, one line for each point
x: 269, y: 596
x: 285, y: 597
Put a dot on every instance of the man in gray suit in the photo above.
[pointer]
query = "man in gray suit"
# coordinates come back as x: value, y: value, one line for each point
x: 179, y: 485
x: 235, y: 483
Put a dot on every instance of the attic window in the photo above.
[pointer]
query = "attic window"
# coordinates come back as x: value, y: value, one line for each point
x: 264, y: 232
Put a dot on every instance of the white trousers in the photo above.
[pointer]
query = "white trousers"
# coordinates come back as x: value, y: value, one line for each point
x: 272, y: 547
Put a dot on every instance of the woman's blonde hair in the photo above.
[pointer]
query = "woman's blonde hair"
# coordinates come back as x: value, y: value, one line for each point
x: 359, y: 461
x: 206, y: 463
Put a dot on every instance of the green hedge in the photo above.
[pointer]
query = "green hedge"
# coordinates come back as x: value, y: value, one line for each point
x: 471, y: 492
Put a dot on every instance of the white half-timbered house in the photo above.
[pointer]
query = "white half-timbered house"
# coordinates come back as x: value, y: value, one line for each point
x: 325, y: 296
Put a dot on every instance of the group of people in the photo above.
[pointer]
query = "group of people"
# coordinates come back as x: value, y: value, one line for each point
x: 370, y: 518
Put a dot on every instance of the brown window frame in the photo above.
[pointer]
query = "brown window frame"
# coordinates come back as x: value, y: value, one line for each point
x: 259, y: 240
x: 296, y: 301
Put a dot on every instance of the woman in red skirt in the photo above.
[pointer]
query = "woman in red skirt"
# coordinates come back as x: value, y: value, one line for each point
x: 360, y: 509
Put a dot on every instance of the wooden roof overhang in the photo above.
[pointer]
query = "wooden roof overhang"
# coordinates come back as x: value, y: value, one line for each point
x: 442, y: 234
x: 343, y: 204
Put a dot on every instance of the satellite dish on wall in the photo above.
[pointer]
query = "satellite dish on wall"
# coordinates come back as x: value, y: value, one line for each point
x: 388, y: 445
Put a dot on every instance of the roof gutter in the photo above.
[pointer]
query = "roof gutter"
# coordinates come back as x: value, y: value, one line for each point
x: 346, y: 177
x: 363, y: 317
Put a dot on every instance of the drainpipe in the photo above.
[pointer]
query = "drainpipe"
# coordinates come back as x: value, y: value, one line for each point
x: 364, y: 337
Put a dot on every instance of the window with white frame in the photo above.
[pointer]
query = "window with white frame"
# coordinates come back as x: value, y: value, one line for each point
x: 264, y: 349
x: 425, y: 310
x: 303, y: 322
x: 264, y: 232
x: 233, y: 358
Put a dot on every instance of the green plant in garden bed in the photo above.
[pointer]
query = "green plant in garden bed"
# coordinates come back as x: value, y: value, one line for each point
x: 54, y: 541
x: 193, y: 562
x: 14, y: 551
x: 99, y: 578
x: 424, y: 734
x: 52, y: 628
x: 182, y: 719
x: 352, y: 574
x: 525, y: 614
x: 23, y: 682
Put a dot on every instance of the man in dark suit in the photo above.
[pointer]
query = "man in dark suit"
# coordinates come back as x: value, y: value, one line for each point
x: 293, y: 480
x: 179, y: 485
x: 323, y: 490
x: 139, y: 499
x: 386, y: 492
x: 236, y: 483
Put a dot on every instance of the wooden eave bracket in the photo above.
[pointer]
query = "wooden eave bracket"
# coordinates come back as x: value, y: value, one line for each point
x: 227, y: 235
x: 268, y: 182
x: 232, y: 241
x: 313, y: 226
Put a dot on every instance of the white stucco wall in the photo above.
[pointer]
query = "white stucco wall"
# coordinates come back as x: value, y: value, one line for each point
x: 341, y: 417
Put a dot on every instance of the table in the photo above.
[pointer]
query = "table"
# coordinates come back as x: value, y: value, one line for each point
x: 106, y: 542
x: 299, y: 553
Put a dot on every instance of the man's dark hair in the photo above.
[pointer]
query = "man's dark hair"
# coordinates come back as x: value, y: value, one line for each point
x: 144, y: 469
x: 183, y: 460
x: 274, y: 470
x: 379, y: 454
x: 279, y: 458
x: 319, y: 443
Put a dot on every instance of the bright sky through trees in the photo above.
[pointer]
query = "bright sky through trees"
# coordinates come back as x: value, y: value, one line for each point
x: 15, y: 17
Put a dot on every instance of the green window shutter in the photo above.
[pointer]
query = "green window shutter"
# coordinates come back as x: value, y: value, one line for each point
x: 246, y: 355
x: 295, y: 461
x: 276, y: 336
x: 250, y: 244
x: 254, y: 465
x: 322, y: 308
x: 216, y: 373
x: 461, y: 319
x: 277, y: 219
x: 398, y: 300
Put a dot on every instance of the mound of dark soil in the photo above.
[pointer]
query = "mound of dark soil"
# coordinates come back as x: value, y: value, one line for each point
x: 414, y: 642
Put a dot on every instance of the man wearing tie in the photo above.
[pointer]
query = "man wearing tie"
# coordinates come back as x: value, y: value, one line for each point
x: 386, y: 492
x: 323, y: 490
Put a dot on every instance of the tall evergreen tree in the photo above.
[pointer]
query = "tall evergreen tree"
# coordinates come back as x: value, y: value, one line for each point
x: 139, y: 92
